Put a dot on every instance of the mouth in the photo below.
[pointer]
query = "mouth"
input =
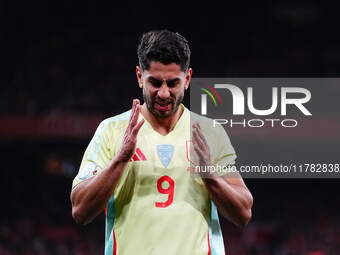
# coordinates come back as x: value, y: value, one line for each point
x: 163, y: 107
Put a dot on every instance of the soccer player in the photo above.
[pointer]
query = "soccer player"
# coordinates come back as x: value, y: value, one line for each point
x: 136, y: 166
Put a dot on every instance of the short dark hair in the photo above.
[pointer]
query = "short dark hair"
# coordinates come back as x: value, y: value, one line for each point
x: 163, y: 46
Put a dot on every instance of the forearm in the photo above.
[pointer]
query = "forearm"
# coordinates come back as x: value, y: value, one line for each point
x: 233, y: 201
x: 90, y: 197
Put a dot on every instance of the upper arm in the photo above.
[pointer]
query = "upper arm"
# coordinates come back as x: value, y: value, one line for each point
x: 77, y: 189
x: 96, y: 157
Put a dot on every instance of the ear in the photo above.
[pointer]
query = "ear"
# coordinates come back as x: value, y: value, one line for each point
x: 139, y: 76
x: 188, y: 78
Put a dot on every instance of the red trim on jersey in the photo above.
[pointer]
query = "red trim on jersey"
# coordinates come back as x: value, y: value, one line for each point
x: 209, y: 251
x: 140, y: 154
x: 135, y: 157
x: 105, y: 210
x: 187, y: 145
x: 114, y: 243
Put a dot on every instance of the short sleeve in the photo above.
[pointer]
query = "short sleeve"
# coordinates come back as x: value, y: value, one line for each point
x: 223, y: 153
x: 97, y: 155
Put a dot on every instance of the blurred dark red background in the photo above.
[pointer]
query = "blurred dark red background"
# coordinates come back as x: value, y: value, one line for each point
x: 66, y: 66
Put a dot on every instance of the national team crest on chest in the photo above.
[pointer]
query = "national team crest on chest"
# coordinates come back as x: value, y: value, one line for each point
x: 165, y: 153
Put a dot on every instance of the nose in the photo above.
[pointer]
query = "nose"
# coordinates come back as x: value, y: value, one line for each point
x: 163, y: 91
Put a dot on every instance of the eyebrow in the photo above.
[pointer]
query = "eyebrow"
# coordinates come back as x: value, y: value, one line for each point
x: 151, y: 78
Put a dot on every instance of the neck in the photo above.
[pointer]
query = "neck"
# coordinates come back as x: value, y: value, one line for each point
x: 161, y: 125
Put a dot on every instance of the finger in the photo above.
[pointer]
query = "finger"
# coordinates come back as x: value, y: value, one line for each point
x: 201, y: 135
x: 196, y: 125
x: 199, y: 156
x: 198, y: 151
x: 198, y: 141
x: 136, y: 115
x: 137, y: 127
x: 194, y: 158
x: 134, y: 112
x: 202, y: 150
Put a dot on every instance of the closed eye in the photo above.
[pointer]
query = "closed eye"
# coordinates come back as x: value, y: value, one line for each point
x: 158, y: 83
x: 173, y: 83
x: 155, y: 82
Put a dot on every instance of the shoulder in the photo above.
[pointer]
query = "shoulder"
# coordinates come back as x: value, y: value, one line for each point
x: 207, y: 124
x: 112, y: 124
x: 201, y: 119
x: 116, y: 121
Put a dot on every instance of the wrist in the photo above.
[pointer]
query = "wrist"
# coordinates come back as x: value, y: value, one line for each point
x: 123, y: 156
x: 119, y: 159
